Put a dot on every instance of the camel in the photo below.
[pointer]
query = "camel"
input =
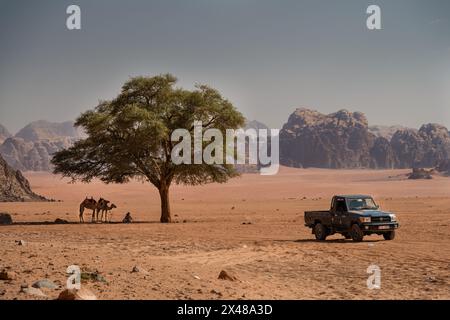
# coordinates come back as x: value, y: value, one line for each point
x: 105, y: 210
x: 88, y: 204
x: 102, y: 204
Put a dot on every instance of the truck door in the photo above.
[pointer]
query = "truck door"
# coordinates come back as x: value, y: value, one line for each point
x: 341, y: 214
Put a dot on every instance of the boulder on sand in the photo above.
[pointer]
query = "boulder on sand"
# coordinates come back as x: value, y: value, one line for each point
x: 7, y: 275
x: 224, y: 275
x: 420, y: 173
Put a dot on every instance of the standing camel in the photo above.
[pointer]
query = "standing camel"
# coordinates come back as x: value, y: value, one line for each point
x: 105, y: 210
x: 88, y: 204
x: 102, y: 204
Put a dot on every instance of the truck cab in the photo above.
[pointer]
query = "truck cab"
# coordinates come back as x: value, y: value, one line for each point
x: 353, y: 216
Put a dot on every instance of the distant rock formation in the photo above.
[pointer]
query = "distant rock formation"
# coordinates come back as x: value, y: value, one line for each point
x: 344, y: 140
x: 425, y: 148
x: 32, y: 147
x: 337, y: 140
x: 4, y: 134
x: 14, y: 186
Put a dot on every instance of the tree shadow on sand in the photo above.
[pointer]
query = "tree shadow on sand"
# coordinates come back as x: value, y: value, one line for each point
x: 51, y: 223
x: 346, y: 241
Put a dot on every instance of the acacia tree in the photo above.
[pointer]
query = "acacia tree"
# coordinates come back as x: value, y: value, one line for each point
x: 129, y: 137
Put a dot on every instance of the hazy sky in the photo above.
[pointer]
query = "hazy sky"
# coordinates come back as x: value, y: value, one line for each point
x: 267, y: 57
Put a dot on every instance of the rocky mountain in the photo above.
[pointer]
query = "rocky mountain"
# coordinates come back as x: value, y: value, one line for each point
x: 344, y: 140
x: 337, y: 140
x: 14, y: 186
x: 32, y: 147
x: 426, y: 147
x: 4, y: 134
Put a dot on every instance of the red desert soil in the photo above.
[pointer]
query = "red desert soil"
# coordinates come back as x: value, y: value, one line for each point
x: 274, y: 257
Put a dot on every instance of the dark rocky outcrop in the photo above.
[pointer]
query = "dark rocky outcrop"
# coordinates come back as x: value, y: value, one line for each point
x: 14, y: 186
x: 426, y: 147
x: 344, y: 140
x: 337, y: 140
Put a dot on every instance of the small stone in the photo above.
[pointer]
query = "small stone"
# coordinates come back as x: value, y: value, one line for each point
x: 21, y: 242
x: 196, y: 277
x: 45, y: 283
x: 137, y: 269
x: 74, y: 294
x: 216, y: 292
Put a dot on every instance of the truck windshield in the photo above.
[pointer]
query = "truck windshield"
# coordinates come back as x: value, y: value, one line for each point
x: 362, y: 204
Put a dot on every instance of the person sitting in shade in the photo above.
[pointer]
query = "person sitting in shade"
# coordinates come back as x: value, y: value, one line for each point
x: 128, y: 218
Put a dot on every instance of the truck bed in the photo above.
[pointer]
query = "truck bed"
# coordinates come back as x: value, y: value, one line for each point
x: 311, y: 216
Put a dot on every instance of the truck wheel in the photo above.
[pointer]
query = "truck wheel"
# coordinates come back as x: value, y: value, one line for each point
x: 320, y: 232
x: 356, y: 233
x: 389, y: 235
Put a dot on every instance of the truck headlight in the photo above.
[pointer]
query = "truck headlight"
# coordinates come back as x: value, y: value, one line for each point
x: 393, y: 217
x: 365, y: 219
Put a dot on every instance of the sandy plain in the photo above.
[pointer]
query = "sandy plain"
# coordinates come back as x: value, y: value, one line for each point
x: 273, y: 255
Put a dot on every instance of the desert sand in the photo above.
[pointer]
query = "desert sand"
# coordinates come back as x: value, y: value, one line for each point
x: 273, y: 255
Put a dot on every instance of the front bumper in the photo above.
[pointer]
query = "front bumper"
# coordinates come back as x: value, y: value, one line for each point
x: 380, y: 227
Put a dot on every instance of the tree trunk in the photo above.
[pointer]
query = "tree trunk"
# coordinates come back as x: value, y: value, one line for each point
x: 165, y: 205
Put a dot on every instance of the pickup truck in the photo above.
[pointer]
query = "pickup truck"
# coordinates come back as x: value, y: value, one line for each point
x: 353, y: 216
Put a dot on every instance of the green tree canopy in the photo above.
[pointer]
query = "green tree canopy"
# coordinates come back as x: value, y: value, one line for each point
x: 129, y: 137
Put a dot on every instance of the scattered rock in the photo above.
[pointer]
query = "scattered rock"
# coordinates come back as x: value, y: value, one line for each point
x: 246, y: 222
x: 420, y: 173
x: 432, y: 279
x: 45, y: 283
x: 223, y: 275
x: 61, y: 221
x: 232, y: 208
x: 7, y: 275
x: 92, y: 276
x: 5, y: 218
x: 32, y: 291
x: 216, y: 292
x: 196, y: 277
x: 137, y: 269
x: 21, y: 242
x: 74, y: 294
